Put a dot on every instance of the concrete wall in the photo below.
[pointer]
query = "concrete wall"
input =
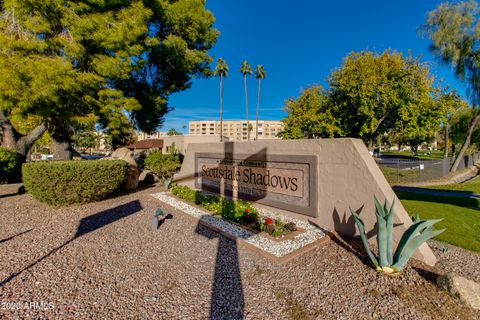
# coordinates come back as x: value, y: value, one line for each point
x: 183, y: 141
x: 347, y: 177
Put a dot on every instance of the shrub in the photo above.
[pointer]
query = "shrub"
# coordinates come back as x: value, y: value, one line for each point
x: 67, y: 182
x: 10, y: 166
x: 235, y: 210
x: 185, y: 193
x: 163, y: 165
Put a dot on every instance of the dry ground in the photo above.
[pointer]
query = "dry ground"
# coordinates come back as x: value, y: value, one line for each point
x: 102, y: 261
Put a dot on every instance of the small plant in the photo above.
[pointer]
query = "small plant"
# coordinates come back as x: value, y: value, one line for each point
x: 444, y: 250
x: 386, y: 262
x: 290, y: 226
x: 235, y: 210
x: 269, y: 228
x: 276, y: 227
x: 163, y: 166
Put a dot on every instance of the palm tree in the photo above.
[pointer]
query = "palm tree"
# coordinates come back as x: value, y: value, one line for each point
x: 260, y: 74
x: 221, y: 70
x: 246, y: 69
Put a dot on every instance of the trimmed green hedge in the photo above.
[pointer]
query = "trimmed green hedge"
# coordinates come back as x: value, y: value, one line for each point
x: 10, y: 166
x: 67, y: 182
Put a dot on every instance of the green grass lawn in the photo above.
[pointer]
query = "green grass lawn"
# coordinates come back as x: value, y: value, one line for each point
x: 461, y: 217
x: 395, y: 176
x: 424, y: 155
x: 472, y: 186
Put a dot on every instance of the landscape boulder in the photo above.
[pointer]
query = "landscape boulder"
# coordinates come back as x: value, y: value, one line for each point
x: 131, y: 183
x: 124, y: 154
x: 466, y: 290
x: 147, y: 177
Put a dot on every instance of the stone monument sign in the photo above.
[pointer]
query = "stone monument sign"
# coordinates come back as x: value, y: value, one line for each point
x: 282, y: 181
x: 318, y: 180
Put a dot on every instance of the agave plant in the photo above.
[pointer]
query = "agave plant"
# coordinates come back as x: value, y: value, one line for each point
x: 387, y: 262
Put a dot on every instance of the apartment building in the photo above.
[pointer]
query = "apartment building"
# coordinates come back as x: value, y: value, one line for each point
x: 237, y: 129
x: 146, y: 136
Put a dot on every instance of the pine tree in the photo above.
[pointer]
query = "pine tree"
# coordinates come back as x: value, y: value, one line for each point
x: 117, y: 60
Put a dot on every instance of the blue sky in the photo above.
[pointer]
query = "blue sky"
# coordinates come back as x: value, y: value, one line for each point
x: 299, y: 43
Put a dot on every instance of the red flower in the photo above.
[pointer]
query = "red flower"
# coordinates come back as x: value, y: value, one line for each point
x: 247, y: 211
x: 268, y: 221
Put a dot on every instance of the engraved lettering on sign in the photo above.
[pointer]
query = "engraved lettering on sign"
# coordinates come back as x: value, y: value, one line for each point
x: 283, y: 181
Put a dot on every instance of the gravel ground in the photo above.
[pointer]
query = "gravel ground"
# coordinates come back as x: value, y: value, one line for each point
x: 457, y: 260
x: 102, y: 261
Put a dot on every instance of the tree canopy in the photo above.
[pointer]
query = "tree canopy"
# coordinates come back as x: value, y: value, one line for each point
x: 453, y: 29
x: 416, y: 124
x: 221, y: 68
x: 369, y: 96
x: 372, y: 93
x: 173, y: 132
x: 459, y: 126
x: 310, y: 116
x: 118, y: 60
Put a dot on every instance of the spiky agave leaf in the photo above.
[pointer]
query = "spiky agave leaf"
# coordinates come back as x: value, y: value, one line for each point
x: 413, y: 245
x: 389, y: 231
x: 417, y: 218
x: 381, y: 233
x: 408, y: 235
x: 363, y: 236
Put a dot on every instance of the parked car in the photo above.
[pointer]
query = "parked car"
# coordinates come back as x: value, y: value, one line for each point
x: 91, y: 157
x: 46, y: 157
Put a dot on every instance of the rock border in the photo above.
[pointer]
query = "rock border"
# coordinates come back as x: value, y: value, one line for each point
x: 276, y: 251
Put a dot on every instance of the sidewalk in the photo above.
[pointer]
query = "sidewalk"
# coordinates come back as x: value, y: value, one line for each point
x: 11, y: 189
x: 452, y: 178
x: 437, y: 192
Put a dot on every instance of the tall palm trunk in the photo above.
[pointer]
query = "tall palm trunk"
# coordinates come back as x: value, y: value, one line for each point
x: 246, y: 105
x: 468, y: 140
x: 221, y: 109
x: 258, y: 106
